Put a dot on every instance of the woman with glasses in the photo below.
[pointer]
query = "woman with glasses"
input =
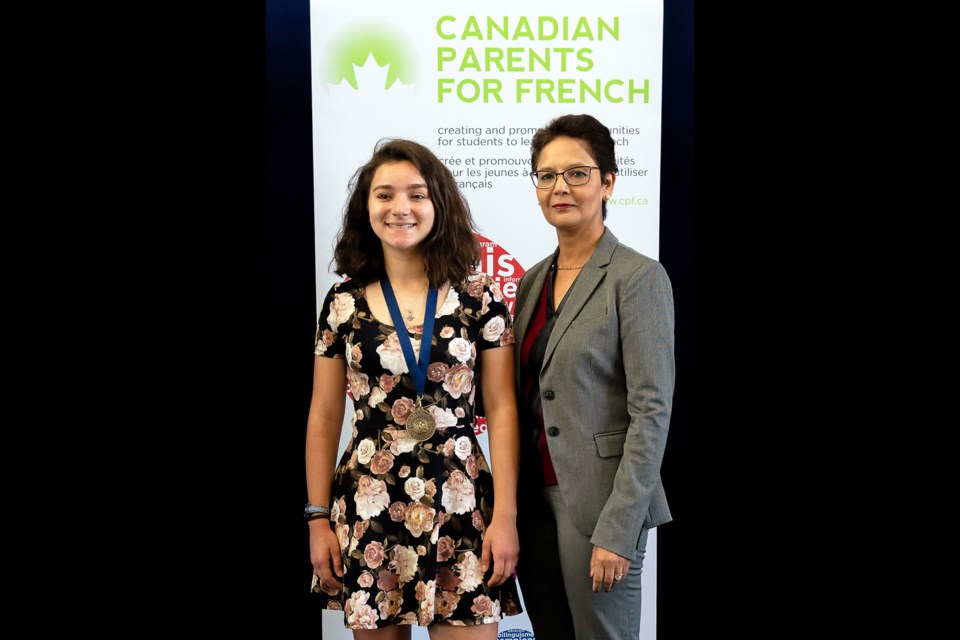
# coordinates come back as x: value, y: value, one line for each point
x: 595, y: 374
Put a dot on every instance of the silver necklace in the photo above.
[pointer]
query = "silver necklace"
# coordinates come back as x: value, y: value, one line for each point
x: 409, y: 308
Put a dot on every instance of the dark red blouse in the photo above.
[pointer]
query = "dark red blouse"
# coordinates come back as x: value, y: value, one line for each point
x: 528, y: 378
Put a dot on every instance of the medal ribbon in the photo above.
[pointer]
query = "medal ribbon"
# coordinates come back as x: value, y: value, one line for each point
x: 418, y: 371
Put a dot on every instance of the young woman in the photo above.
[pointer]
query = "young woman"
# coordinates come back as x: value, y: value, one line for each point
x: 404, y: 529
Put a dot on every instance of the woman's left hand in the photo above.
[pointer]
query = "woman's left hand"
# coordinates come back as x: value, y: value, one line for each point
x: 502, y: 545
x: 607, y: 569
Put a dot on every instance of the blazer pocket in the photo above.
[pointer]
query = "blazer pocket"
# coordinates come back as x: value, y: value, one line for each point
x: 610, y: 444
x: 596, y: 317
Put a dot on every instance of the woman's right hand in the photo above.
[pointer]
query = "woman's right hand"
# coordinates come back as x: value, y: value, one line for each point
x: 324, y: 553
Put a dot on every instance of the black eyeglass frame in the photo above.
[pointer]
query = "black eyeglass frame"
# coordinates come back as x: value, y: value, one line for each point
x: 534, y: 177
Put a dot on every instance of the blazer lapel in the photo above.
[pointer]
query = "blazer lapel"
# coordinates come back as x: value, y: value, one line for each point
x: 591, y: 276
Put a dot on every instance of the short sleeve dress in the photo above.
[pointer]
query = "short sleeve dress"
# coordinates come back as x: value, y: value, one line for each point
x: 410, y: 516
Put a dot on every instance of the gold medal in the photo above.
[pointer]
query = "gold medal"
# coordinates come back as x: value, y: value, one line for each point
x: 420, y: 423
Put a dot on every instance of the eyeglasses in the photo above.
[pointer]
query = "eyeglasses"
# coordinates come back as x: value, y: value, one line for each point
x: 574, y: 176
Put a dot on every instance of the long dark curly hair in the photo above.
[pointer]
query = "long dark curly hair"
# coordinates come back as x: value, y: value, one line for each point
x: 450, y: 251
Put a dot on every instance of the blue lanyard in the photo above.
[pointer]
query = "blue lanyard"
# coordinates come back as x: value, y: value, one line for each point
x: 418, y: 371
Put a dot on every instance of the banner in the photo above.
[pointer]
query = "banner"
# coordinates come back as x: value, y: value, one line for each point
x: 473, y: 82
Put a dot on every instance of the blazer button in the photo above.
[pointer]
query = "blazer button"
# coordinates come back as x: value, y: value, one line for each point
x: 553, y: 431
x: 548, y: 394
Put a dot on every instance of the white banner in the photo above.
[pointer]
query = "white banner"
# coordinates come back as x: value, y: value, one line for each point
x: 473, y: 82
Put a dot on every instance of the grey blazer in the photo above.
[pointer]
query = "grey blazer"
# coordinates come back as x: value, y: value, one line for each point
x: 606, y: 389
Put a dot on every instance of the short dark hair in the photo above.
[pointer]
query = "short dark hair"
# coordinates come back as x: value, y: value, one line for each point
x: 583, y: 127
x: 450, y: 251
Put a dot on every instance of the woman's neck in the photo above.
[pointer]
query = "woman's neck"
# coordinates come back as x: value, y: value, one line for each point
x: 405, y: 269
x: 576, y: 247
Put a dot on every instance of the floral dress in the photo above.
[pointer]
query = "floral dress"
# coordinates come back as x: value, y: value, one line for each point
x: 410, y: 516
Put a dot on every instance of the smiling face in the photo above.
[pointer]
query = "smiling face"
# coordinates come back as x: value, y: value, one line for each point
x: 579, y: 208
x: 401, y: 211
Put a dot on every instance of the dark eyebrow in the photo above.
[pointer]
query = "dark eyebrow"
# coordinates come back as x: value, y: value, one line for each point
x: 572, y: 166
x: 391, y: 187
